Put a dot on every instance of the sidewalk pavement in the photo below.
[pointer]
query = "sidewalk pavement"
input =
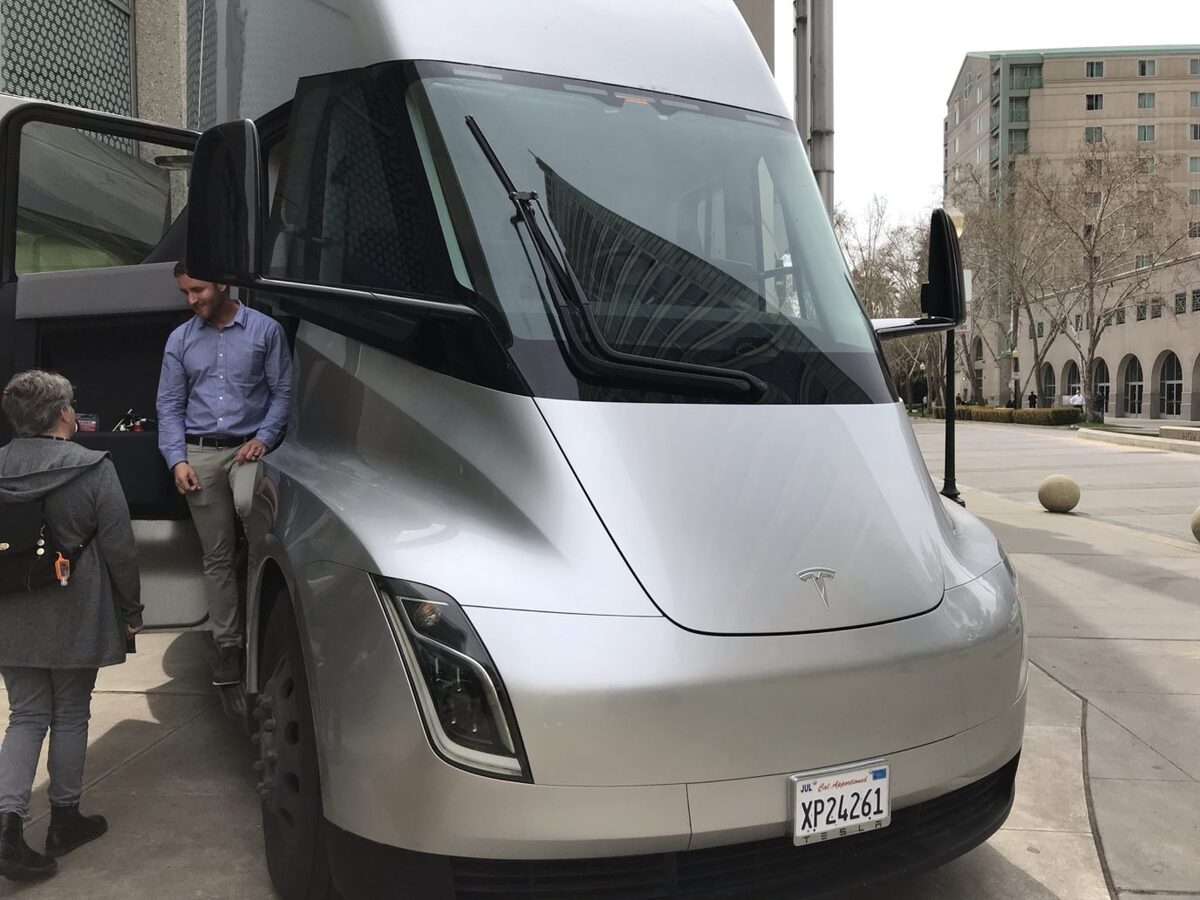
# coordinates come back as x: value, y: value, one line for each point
x: 173, y: 777
x: 1113, y: 616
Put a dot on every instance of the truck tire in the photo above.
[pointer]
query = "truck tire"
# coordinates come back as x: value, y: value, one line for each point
x: 292, y: 816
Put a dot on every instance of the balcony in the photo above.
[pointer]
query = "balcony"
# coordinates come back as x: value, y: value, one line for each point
x: 995, y: 119
x: 994, y: 153
x: 1018, y: 114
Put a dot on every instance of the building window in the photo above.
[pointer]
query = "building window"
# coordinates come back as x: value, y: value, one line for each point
x: 1094, y: 134
x: 1031, y: 331
x: 956, y: 145
x: 1139, y: 311
x: 1194, y: 197
x: 1040, y: 330
x: 1048, y: 385
x: 1078, y: 323
x: 1093, y: 168
x: 1145, y: 133
x: 1088, y: 230
x: 1018, y: 109
x: 1147, y: 68
x: 1170, y: 387
x: 1092, y: 102
x: 1100, y: 383
x: 1194, y: 99
x: 1095, y: 68
x: 978, y: 155
x: 1194, y: 229
x: 979, y: 93
x: 1133, y: 388
x: 1092, y: 199
x: 1146, y: 100
x: 1025, y: 77
x: 1119, y: 316
x: 1181, y: 304
x: 1018, y: 141
x: 979, y: 124
x: 1071, y: 379
x: 1196, y: 301
x: 955, y: 115
x: 1194, y: 131
x: 1156, y: 308
x: 1194, y: 165
x: 1194, y: 67
x: 1143, y: 262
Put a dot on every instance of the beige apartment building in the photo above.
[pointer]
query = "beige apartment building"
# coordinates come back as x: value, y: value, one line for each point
x: 1049, y: 102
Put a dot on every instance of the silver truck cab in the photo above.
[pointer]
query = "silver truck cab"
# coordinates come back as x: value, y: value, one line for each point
x: 599, y: 558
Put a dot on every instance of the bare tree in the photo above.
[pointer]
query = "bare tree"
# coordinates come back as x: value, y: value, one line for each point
x: 1011, y: 249
x: 887, y: 265
x: 1109, y: 219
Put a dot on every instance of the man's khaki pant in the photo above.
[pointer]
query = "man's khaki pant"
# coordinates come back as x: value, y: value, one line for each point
x: 226, y: 490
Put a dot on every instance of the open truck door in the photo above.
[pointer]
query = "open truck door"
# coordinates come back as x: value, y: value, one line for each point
x: 90, y: 229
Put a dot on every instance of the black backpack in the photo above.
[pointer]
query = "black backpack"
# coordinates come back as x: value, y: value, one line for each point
x: 31, y: 557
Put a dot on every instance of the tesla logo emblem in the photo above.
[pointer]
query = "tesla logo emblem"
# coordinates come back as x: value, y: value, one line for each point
x: 818, y: 577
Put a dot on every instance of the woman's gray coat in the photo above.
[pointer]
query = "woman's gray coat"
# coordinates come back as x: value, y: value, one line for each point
x: 82, y: 625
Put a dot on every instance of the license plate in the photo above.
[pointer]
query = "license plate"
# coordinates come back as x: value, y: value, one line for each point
x: 836, y: 803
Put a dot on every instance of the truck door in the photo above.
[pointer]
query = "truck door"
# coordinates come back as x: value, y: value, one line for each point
x: 90, y: 229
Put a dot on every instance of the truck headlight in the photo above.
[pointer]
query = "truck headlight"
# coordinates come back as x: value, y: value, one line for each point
x: 463, y: 702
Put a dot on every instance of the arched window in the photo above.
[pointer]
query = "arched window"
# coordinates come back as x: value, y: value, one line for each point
x: 1048, y: 386
x: 1133, y: 388
x: 977, y: 370
x: 1170, y: 387
x: 1100, y: 383
x: 1071, y: 379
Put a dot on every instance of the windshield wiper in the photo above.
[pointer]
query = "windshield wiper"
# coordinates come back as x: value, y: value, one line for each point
x: 605, y: 361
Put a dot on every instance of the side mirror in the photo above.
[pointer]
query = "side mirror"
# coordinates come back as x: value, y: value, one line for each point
x: 226, y: 205
x: 943, y: 296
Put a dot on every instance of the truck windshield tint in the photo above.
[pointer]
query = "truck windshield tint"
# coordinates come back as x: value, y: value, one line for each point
x: 696, y: 231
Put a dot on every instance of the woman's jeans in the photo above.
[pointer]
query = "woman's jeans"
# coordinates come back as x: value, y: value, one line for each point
x: 58, y: 699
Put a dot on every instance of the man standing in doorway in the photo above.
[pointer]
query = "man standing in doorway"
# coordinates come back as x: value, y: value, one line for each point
x: 223, y: 401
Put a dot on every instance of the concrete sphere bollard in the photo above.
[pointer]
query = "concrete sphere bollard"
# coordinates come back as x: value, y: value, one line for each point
x: 1058, y: 493
x: 1196, y: 524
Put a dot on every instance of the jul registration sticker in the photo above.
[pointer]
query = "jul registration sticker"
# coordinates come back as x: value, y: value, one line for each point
x: 838, y: 803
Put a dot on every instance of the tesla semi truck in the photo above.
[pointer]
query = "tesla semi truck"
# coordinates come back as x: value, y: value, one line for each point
x: 599, y: 559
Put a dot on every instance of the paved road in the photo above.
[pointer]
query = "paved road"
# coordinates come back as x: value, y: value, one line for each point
x: 1112, y: 596
x: 1108, y: 796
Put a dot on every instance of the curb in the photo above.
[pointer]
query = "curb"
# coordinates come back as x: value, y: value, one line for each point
x: 1140, y: 440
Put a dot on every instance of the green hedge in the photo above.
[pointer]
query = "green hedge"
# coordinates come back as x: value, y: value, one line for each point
x: 1055, y: 416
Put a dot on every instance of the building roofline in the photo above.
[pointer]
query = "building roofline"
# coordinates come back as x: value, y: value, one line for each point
x: 1094, y: 51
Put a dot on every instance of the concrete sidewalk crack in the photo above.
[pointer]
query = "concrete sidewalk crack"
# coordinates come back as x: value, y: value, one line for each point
x: 1091, y: 807
x: 117, y: 768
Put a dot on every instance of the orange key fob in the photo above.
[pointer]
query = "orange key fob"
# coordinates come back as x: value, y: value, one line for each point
x: 62, y: 570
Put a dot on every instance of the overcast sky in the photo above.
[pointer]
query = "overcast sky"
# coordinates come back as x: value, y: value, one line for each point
x: 895, y: 63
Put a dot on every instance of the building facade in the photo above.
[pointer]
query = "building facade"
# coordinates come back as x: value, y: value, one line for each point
x: 1050, y: 103
x: 119, y: 56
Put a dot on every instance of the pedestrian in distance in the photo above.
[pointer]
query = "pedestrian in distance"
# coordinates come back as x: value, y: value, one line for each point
x: 1032, y: 400
x: 69, y: 602
x: 1077, y: 401
x: 223, y: 401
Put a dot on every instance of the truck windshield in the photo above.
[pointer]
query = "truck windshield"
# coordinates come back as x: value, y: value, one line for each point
x: 696, y: 230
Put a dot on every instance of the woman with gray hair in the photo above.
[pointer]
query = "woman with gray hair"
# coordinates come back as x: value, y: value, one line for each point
x: 53, y: 639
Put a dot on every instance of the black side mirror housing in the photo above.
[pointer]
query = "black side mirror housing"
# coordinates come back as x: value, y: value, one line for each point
x: 226, y: 205
x: 943, y: 296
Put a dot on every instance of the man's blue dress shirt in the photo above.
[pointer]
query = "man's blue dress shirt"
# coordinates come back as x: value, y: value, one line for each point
x: 234, y: 381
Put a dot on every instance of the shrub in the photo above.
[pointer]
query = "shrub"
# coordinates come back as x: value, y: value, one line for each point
x: 1056, y: 416
x: 992, y: 414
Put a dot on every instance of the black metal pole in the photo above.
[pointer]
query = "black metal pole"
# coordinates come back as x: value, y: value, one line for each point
x: 949, y: 488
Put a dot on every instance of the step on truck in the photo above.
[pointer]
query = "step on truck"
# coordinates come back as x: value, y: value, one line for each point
x: 599, y: 558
